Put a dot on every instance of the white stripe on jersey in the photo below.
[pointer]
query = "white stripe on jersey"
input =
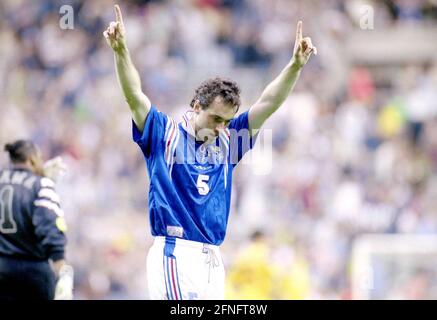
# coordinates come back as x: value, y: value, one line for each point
x: 50, y: 194
x: 224, y: 137
x: 47, y: 183
x: 173, y: 147
x: 49, y: 205
x: 169, y: 136
x: 171, y: 142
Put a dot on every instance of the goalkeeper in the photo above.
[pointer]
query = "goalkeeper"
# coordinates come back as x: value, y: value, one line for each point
x: 32, y: 228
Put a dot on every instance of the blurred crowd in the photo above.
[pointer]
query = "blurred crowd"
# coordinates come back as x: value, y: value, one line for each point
x: 353, y: 152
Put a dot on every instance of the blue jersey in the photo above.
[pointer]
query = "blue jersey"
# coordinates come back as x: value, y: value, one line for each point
x: 190, y: 182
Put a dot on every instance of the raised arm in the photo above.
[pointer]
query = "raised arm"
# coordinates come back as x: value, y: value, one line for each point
x: 127, y: 75
x: 277, y: 91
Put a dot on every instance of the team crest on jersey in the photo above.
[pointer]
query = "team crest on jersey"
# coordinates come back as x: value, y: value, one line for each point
x: 211, y: 154
x: 216, y: 153
x: 202, y: 155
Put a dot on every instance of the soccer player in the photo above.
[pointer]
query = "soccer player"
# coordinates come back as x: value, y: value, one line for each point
x: 32, y: 228
x: 190, y: 165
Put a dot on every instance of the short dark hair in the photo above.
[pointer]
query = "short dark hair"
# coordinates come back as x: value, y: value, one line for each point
x: 217, y: 87
x: 21, y: 150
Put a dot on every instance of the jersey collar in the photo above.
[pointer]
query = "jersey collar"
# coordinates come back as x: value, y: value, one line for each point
x: 186, y: 124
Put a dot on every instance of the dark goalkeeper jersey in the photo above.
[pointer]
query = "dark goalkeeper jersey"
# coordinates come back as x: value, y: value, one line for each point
x: 32, y: 222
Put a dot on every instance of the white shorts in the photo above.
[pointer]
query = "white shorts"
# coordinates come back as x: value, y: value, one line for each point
x: 180, y: 269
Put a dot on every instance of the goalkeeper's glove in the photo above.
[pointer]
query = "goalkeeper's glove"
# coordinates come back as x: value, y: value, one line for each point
x: 64, y: 285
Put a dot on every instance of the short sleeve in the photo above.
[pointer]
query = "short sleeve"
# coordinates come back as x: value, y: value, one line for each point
x: 153, y: 132
x: 240, y: 140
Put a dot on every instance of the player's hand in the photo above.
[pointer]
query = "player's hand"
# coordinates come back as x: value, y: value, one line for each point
x: 303, y: 48
x: 64, y: 285
x: 54, y: 168
x: 115, y: 33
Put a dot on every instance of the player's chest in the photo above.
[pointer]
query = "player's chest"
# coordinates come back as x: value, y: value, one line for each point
x: 183, y: 149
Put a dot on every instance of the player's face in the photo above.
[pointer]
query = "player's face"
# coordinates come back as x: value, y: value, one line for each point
x: 211, y: 120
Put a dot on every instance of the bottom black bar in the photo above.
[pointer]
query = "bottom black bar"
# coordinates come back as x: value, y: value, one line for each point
x: 228, y: 309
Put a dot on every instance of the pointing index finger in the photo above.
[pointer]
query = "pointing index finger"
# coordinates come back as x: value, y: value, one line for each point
x: 118, y: 15
x: 299, y: 31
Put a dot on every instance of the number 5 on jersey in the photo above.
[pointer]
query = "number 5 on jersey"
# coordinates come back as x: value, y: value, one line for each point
x: 202, y: 185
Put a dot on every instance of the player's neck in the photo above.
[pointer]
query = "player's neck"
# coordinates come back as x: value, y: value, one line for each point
x: 193, y: 128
